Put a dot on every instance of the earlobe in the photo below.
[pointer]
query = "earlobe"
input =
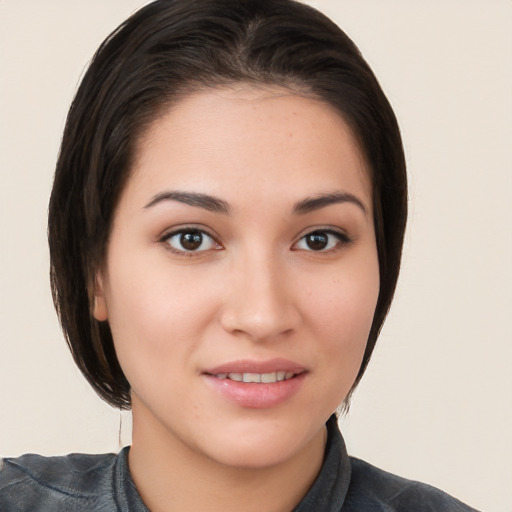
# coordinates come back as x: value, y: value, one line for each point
x: 100, y: 311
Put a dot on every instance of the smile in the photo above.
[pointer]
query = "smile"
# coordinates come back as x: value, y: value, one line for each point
x: 256, y: 390
x: 264, y: 378
x: 256, y: 384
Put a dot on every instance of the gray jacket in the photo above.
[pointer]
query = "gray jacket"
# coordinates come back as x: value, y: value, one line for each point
x: 102, y: 483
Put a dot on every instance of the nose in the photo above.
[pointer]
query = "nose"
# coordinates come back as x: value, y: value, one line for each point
x: 261, y: 304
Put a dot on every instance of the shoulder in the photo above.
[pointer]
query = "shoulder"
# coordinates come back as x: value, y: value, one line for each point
x: 71, y: 482
x: 373, y: 489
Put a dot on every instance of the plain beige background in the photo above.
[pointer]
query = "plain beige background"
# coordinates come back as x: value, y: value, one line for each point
x: 436, y: 402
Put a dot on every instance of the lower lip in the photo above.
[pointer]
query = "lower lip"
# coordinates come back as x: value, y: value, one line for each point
x: 257, y: 395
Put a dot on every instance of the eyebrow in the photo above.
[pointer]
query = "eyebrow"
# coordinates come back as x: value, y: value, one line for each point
x: 205, y: 201
x: 311, y: 204
x: 216, y: 205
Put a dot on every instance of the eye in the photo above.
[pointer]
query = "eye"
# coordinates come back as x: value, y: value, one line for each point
x: 190, y: 240
x: 322, y: 241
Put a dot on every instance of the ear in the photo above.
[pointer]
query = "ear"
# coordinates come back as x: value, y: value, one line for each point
x: 100, y: 311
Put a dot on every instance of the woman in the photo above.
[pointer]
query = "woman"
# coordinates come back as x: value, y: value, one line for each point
x: 225, y: 231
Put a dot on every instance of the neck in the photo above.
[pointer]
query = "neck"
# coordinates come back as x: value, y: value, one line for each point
x: 171, y: 476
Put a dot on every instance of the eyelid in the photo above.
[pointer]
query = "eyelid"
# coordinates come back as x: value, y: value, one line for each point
x: 187, y: 228
x: 180, y: 228
x: 343, y: 238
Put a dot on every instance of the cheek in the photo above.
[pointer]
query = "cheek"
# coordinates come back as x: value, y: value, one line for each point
x: 155, y: 314
x: 342, y: 312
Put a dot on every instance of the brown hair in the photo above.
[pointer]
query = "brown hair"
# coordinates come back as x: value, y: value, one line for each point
x: 164, y: 51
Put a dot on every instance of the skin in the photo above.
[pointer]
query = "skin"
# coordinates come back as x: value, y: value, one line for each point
x: 257, y: 291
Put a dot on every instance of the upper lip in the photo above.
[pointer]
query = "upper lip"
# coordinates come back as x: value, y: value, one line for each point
x: 253, y: 366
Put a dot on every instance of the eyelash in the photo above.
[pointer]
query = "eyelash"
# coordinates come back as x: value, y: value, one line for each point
x: 194, y: 232
x: 341, y: 240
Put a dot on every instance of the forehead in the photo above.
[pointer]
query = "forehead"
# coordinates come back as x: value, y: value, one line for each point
x: 272, y: 141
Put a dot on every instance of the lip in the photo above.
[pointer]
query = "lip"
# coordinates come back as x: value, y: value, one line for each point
x: 253, y: 366
x: 256, y: 395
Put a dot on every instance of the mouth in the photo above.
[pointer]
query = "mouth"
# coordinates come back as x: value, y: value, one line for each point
x: 257, y: 372
x: 257, y: 384
x: 261, y: 378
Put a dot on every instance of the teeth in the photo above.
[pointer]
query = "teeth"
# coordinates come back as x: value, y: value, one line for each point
x: 269, y: 377
x: 252, y: 377
x: 265, y: 378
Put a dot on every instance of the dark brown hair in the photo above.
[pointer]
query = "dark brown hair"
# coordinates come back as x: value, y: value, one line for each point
x: 165, y: 51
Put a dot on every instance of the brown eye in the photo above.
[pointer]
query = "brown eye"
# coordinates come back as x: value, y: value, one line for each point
x: 190, y: 240
x: 322, y: 241
x: 317, y: 241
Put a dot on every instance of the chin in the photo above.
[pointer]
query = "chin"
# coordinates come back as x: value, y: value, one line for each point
x: 254, y: 455
x: 260, y: 446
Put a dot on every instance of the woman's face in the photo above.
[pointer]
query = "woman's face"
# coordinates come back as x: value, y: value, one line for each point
x: 241, y: 275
